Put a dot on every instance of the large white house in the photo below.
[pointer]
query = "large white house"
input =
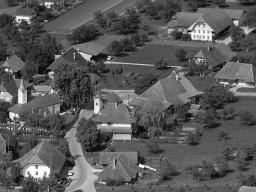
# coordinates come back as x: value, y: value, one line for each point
x: 40, y: 161
x: 24, y: 14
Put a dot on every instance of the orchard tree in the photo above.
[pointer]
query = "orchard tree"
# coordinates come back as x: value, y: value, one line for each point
x: 127, y: 44
x: 153, y: 146
x: 73, y: 85
x: 100, y: 20
x: 167, y: 170
x: 3, y: 49
x: 5, y: 20
x: 136, y: 39
x: 237, y: 35
x: 29, y: 70
x: 161, y: 64
x: 171, y: 7
x: 144, y: 82
x: 87, y: 134
x: 115, y: 48
x: 181, y: 54
x: 83, y: 33
x: 247, y: 118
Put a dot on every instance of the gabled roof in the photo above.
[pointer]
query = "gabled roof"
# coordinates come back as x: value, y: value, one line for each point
x: 171, y: 91
x: 113, y: 113
x: 232, y: 13
x: 72, y: 57
x: 36, y: 103
x: 24, y: 12
x: 247, y: 189
x: 219, y: 54
x: 112, y: 98
x: 12, y: 86
x: 107, y: 157
x: 125, y: 170
x: 14, y: 63
x: 237, y: 71
x: 44, y: 153
x: 90, y: 48
x: 2, y: 145
x: 183, y: 19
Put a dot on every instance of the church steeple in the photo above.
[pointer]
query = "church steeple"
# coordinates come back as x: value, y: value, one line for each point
x: 22, y: 93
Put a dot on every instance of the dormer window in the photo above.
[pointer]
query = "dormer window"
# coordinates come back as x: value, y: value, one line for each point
x: 36, y: 166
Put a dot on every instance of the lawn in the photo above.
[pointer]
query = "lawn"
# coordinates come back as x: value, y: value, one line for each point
x: 246, y: 89
x: 110, y: 81
x: 151, y: 53
x: 202, y: 83
x: 244, y: 103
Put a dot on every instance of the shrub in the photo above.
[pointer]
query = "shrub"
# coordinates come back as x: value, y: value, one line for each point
x: 193, y: 138
x: 226, y: 153
x: 223, y: 136
x: 153, y: 146
x: 112, y: 182
x: 161, y: 64
x: 186, y: 37
x: 247, y: 118
x: 247, y: 152
x: 249, y: 180
x: 181, y: 54
x: 241, y: 164
x: 176, y: 34
x: 144, y: 135
x: 167, y: 170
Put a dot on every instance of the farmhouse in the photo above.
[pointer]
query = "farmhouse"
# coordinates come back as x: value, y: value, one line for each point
x: 202, y: 26
x: 47, y: 103
x: 234, y: 73
x: 121, y: 169
x: 113, y: 116
x: 52, y: 4
x: 9, y: 89
x: 214, y: 56
x: 171, y: 91
x: 41, y: 160
x: 24, y: 14
x: 2, y: 145
x: 12, y: 64
x: 234, y: 14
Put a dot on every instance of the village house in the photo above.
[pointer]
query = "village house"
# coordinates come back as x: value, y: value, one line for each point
x: 9, y: 89
x: 13, y: 64
x: 47, y: 103
x: 2, y: 145
x: 170, y: 91
x: 235, y: 73
x: 41, y: 161
x: 24, y: 14
x: 113, y: 116
x: 121, y: 169
x: 214, y: 56
x: 53, y: 4
x: 202, y: 26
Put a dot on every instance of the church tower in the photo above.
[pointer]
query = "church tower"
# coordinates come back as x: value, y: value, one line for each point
x: 22, y: 93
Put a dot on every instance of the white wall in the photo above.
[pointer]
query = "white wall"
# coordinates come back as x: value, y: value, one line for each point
x: 202, y: 32
x: 12, y: 115
x: 121, y: 136
x: 42, y: 171
x: 6, y: 96
x: 18, y: 19
x: 86, y: 56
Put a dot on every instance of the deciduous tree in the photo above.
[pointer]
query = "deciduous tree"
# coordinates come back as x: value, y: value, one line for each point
x: 115, y: 48
x: 144, y: 82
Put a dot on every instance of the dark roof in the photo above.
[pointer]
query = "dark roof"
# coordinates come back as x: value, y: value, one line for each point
x: 2, y: 145
x: 183, y: 19
x: 90, y: 48
x: 219, y: 54
x: 115, y: 114
x: 125, y: 169
x: 232, y: 13
x: 171, y: 91
x: 217, y: 19
x: 107, y: 157
x: 12, y: 86
x: 44, y: 153
x: 14, y: 63
x: 36, y: 103
x: 24, y: 12
x: 112, y: 98
x: 72, y: 57
x: 237, y: 71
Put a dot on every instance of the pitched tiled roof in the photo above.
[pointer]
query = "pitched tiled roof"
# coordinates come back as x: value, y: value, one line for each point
x: 183, y: 19
x: 2, y: 145
x: 112, y: 98
x: 239, y: 71
x: 232, y: 13
x: 171, y: 91
x: 247, y: 189
x: 219, y: 54
x: 72, y: 57
x: 113, y: 113
x: 43, y: 153
x: 14, y: 63
x: 125, y: 170
x: 36, y: 103
x: 107, y: 157
x: 90, y: 48
x: 24, y: 12
x: 12, y: 86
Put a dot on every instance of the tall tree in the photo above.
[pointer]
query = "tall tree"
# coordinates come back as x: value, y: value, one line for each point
x: 115, y: 48
x: 73, y: 85
x: 3, y: 49
x: 87, y: 134
x: 5, y: 20
x: 144, y: 82
x: 3, y: 110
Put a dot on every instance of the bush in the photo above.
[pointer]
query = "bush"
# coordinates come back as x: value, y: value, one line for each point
x: 249, y: 180
x: 227, y: 153
x: 167, y: 170
x: 176, y: 34
x: 223, y: 136
x: 241, y: 164
x: 247, y: 152
x: 136, y: 38
x: 112, y: 182
x: 153, y: 146
x: 161, y: 64
x: 127, y: 44
x: 186, y: 37
x: 144, y: 135
x: 193, y: 138
x: 181, y: 54
x: 247, y: 118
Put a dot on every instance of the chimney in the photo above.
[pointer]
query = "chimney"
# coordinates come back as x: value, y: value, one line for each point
x: 177, y: 77
x: 62, y: 52
x: 208, y: 48
x: 7, y: 59
x: 114, y: 163
x: 78, y: 50
x: 74, y: 54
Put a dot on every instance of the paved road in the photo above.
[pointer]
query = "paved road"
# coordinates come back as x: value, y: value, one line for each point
x: 84, y: 177
x: 83, y: 13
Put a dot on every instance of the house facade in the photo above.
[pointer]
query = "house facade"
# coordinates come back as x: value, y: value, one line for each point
x: 235, y: 73
x: 24, y: 14
x: 201, y: 31
x: 53, y: 4
x: 40, y: 161
x: 13, y: 65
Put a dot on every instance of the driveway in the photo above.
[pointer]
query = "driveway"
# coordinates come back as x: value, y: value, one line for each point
x: 83, y: 13
x: 83, y: 177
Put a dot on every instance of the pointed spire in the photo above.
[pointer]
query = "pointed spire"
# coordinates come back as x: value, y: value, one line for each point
x: 22, y: 87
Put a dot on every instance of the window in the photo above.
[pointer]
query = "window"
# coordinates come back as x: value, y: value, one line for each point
x: 198, y: 30
x: 203, y: 31
x: 45, y: 173
x: 194, y: 36
x: 36, y: 172
x: 198, y: 36
x: 208, y: 37
x: 109, y: 123
x: 36, y: 166
x: 208, y: 31
x: 96, y: 104
x: 203, y: 36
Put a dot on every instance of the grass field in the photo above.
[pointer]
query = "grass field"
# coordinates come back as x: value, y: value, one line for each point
x: 245, y: 103
x: 245, y: 89
x: 154, y: 52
